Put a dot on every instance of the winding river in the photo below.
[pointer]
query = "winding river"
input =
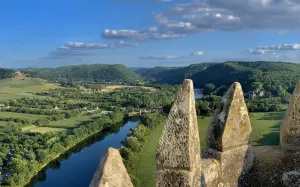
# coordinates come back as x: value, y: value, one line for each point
x: 77, y: 167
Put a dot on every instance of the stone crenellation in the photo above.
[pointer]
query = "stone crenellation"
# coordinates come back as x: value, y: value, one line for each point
x: 228, y: 160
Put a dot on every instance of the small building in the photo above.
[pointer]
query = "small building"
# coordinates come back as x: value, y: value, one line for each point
x: 56, y: 108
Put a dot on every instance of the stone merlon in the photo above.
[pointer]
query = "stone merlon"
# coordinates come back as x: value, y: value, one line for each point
x: 178, y: 152
x: 112, y: 172
x: 290, y: 126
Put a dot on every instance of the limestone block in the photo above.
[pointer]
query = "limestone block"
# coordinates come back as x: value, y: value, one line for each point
x: 230, y: 127
x: 177, y: 178
x: 290, y: 126
x: 112, y: 172
x: 233, y: 163
x: 210, y: 172
x: 179, y: 145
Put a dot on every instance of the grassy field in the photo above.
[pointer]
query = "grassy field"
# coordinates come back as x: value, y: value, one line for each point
x: 72, y: 122
x: 21, y: 115
x: 112, y: 88
x: 33, y: 128
x: 265, y: 128
x: 16, y: 88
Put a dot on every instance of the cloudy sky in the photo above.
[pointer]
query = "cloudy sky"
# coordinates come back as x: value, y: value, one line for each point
x: 147, y: 33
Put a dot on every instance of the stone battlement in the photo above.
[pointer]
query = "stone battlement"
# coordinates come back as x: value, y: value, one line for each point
x: 228, y: 159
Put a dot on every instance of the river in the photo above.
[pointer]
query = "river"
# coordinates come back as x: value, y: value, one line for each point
x: 77, y: 167
x: 198, y: 92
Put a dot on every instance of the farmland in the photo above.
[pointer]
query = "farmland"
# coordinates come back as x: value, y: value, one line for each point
x: 17, y: 87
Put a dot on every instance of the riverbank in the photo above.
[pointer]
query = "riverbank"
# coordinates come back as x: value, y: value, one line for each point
x: 87, y: 131
x: 60, y: 154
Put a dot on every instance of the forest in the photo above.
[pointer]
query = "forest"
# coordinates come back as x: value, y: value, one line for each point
x: 36, y: 129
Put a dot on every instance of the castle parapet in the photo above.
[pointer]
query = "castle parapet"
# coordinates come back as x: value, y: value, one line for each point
x: 178, y: 152
x: 290, y: 126
x: 228, y: 137
x: 112, y: 172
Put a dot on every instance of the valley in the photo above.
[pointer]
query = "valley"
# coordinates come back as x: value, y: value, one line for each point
x: 44, y: 113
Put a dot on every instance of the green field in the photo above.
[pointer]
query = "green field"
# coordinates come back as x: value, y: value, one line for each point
x: 16, y: 88
x: 265, y: 131
x: 73, y: 122
x: 33, y: 128
x: 21, y: 115
x: 5, y: 123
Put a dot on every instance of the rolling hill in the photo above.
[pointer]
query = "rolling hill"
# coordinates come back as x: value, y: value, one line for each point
x: 271, y: 74
x: 94, y: 72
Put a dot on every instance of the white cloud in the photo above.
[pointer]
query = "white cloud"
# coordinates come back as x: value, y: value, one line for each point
x: 125, y: 44
x: 259, y: 51
x: 124, y: 34
x: 158, y: 57
x: 78, y: 49
x: 79, y: 45
x: 159, y: 1
x: 263, y: 50
x: 294, y: 46
x: 158, y: 36
x: 197, y: 53
x: 152, y: 29
x: 211, y: 15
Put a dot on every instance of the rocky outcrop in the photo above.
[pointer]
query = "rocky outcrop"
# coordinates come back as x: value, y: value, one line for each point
x: 112, y: 172
x: 178, y: 152
x: 290, y: 126
x: 228, y: 137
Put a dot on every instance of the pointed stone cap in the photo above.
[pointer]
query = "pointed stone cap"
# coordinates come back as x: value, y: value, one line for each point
x: 230, y: 127
x: 112, y: 172
x: 179, y: 145
x: 290, y: 126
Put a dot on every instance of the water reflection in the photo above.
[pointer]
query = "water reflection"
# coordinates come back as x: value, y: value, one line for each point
x: 198, y: 92
x: 77, y: 166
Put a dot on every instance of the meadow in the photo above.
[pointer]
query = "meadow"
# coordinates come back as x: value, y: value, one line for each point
x: 21, y: 115
x: 23, y: 87
x: 73, y: 122
x: 112, y: 88
x: 265, y: 131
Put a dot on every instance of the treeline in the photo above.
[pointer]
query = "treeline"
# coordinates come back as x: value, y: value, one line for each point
x: 94, y: 72
x: 263, y: 82
x: 64, y: 114
x: 124, y: 97
x: 23, y: 154
x: 48, y: 103
x: 270, y: 74
x: 6, y: 73
x: 136, y: 139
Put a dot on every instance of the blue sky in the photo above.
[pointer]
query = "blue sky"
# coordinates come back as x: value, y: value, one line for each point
x: 146, y: 33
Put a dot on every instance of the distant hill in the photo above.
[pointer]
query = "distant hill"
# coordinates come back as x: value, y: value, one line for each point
x: 271, y: 74
x: 173, y: 75
x: 98, y: 72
